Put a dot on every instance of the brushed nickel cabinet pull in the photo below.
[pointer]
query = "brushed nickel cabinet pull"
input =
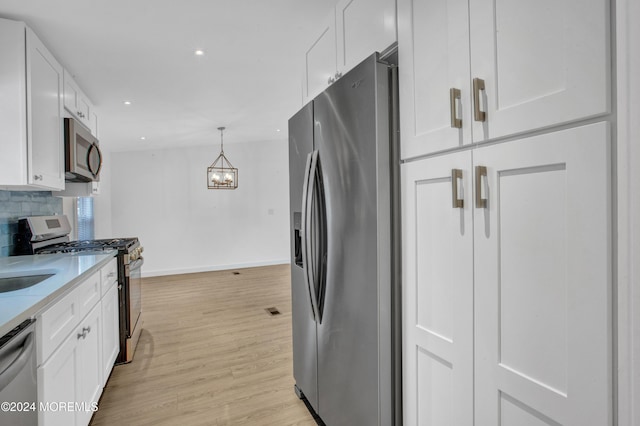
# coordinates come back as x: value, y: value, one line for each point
x: 478, y: 86
x: 454, y: 94
x: 481, y: 171
x: 456, y: 174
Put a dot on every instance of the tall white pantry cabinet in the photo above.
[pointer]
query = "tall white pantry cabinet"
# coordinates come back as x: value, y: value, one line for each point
x: 506, y: 187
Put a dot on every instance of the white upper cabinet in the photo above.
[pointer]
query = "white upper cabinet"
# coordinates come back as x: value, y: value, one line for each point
x: 536, y: 64
x: 363, y: 27
x: 433, y: 44
x: 93, y: 122
x: 543, y: 62
x: 79, y: 105
x: 320, y: 60
x: 353, y: 30
x: 31, y: 133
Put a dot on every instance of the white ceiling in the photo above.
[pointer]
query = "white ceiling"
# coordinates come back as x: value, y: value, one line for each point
x: 249, y: 79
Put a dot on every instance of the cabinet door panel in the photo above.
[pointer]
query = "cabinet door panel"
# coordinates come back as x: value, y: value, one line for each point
x: 93, y: 122
x: 83, y: 110
x: 543, y: 280
x: 543, y: 62
x: 433, y: 45
x: 44, y: 88
x: 57, y: 380
x: 320, y: 60
x: 110, y: 331
x: 438, y: 293
x: 363, y: 27
x: 90, y: 363
x: 70, y: 93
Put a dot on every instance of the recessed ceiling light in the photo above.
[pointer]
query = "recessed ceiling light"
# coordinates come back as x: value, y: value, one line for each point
x: 199, y: 52
x: 127, y: 102
x: 277, y: 130
x: 142, y: 138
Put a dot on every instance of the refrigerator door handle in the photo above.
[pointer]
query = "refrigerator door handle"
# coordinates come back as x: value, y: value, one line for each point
x: 310, y: 241
x: 319, y: 241
x: 306, y: 214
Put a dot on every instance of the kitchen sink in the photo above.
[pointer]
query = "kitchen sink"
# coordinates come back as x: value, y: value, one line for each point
x: 22, y: 281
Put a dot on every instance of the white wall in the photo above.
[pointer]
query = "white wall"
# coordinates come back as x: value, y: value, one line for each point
x: 161, y: 197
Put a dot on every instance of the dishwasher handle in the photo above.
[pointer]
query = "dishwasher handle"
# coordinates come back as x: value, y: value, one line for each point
x: 10, y: 373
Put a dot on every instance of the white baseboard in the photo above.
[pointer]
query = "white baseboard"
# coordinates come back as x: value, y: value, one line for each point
x: 148, y: 274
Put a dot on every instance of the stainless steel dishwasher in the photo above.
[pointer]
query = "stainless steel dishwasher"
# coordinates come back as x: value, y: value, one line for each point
x: 18, y: 386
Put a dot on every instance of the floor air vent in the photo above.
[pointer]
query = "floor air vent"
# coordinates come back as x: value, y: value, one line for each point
x: 236, y: 273
x: 273, y: 311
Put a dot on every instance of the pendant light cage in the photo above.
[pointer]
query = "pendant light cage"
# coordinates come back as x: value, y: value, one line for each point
x: 221, y: 174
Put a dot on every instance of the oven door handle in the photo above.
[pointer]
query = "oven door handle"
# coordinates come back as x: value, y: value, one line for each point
x: 136, y: 264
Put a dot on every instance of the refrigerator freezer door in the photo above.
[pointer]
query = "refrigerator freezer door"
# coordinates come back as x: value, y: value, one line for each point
x: 351, y: 134
x: 303, y: 324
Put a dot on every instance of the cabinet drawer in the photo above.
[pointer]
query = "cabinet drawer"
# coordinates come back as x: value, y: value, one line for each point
x: 109, y: 275
x: 89, y: 293
x: 55, y: 324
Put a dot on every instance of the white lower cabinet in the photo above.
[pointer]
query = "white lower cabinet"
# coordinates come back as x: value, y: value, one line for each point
x: 507, y: 278
x: 57, y: 380
x: 89, y: 367
x: 438, y: 290
x: 110, y: 331
x: 72, y: 377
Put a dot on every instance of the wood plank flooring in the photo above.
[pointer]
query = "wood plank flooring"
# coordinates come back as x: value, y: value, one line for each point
x: 209, y: 354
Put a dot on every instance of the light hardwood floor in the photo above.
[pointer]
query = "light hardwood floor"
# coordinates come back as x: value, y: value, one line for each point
x: 209, y: 354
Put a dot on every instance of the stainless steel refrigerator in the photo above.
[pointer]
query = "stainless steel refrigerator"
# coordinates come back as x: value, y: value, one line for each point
x: 344, y: 253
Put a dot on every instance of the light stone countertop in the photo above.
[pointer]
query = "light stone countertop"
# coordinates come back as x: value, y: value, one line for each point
x: 69, y: 269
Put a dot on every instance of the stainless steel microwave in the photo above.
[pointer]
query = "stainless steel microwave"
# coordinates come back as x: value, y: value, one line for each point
x: 83, y: 159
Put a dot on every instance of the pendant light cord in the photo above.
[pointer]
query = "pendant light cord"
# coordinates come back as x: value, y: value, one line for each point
x: 221, y: 139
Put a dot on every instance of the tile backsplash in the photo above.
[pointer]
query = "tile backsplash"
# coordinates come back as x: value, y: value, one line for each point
x: 17, y: 204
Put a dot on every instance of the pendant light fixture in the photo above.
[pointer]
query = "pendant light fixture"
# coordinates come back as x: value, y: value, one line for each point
x: 221, y: 174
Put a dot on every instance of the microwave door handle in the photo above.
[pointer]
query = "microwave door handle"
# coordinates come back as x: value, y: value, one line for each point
x: 94, y: 147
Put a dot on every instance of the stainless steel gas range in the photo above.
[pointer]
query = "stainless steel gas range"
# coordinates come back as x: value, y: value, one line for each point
x: 50, y: 234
